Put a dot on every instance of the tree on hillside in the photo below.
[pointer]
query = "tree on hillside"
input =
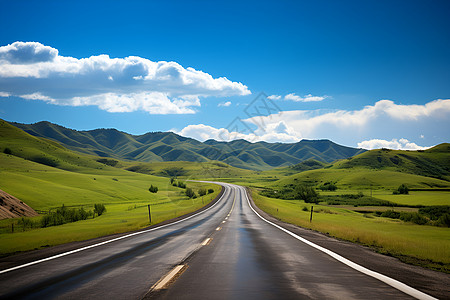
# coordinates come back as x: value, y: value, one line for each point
x: 99, y: 209
x: 202, y: 192
x: 190, y: 193
x: 328, y: 186
x: 306, y: 193
x: 153, y: 189
x: 402, y: 190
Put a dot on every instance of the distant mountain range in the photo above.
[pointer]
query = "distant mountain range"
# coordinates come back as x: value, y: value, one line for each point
x: 168, y: 146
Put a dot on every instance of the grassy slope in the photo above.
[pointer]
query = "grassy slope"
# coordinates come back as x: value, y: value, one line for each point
x: 434, y: 162
x: 427, y: 246
x: 189, y: 170
x: 383, y: 169
x: 45, y: 188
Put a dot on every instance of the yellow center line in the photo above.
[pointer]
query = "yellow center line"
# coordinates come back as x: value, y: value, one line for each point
x: 162, y: 283
x: 206, y: 242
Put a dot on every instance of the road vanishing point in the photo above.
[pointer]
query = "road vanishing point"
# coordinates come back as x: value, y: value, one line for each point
x: 227, y: 251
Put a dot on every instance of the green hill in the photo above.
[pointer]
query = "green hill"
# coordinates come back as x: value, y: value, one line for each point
x: 434, y: 162
x: 168, y: 146
x: 383, y: 168
x: 18, y: 143
x: 43, y: 151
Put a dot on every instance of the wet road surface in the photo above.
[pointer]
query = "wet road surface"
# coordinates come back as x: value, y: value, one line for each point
x: 250, y: 259
x: 244, y: 258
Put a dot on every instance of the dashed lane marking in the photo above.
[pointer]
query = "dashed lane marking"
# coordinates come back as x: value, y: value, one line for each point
x: 206, y: 242
x: 165, y: 280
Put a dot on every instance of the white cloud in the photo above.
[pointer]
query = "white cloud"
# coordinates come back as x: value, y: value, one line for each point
x: 279, y: 132
x: 414, y: 112
x: 342, y: 126
x: 37, y: 96
x: 115, y: 84
x: 401, y: 144
x: 296, y: 98
x: 27, y: 53
x: 293, y: 97
x: 347, y: 127
x: 311, y: 98
x: 224, y: 104
x: 306, y: 98
x: 4, y: 94
x: 309, y: 123
x: 152, y: 102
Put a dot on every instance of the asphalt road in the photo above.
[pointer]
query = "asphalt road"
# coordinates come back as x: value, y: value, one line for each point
x: 225, y: 252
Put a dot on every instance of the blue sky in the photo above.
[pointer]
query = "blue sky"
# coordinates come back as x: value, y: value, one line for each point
x: 361, y: 73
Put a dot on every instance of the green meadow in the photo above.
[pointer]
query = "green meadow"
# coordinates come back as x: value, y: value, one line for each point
x: 428, y: 246
x: 125, y: 195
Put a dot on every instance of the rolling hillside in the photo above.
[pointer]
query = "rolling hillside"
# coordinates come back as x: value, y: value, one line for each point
x: 168, y: 146
x: 434, y: 162
x: 383, y: 168
x: 17, y: 143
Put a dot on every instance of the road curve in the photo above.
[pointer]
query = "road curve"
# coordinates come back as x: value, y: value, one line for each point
x: 225, y: 252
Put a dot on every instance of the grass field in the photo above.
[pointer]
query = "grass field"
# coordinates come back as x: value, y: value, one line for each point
x: 428, y: 246
x: 45, y: 188
x: 416, y: 197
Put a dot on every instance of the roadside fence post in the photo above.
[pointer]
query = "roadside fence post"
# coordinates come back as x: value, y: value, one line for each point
x: 149, y: 214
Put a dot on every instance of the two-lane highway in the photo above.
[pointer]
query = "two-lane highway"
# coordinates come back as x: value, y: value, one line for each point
x: 225, y: 252
x: 252, y: 259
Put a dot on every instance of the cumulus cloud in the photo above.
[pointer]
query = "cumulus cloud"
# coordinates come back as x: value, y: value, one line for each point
x: 296, y: 98
x: 401, y: 144
x: 27, y: 53
x: 146, y: 101
x: 309, y: 123
x: 224, y: 104
x: 348, y: 127
x: 34, y: 71
x: 279, y: 132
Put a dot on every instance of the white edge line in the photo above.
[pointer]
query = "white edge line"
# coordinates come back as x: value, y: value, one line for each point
x: 105, y: 242
x: 168, y: 277
x: 390, y: 281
